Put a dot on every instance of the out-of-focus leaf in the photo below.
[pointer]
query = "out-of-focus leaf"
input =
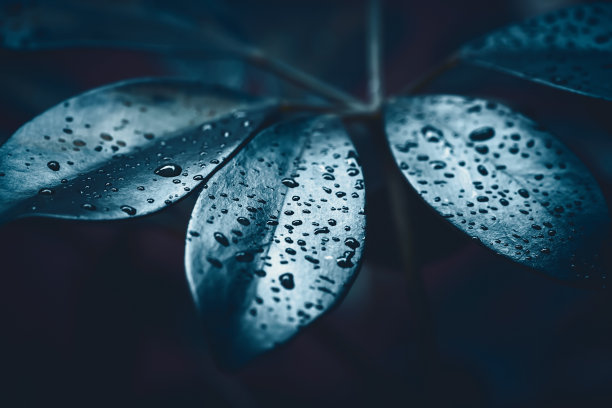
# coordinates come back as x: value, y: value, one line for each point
x: 276, y: 238
x: 498, y: 177
x: 51, y: 24
x: 122, y: 150
x: 570, y: 49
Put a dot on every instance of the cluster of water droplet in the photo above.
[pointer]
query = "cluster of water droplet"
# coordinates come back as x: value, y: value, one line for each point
x: 285, y: 217
x: 568, y: 48
x: 497, y: 176
x: 124, y: 150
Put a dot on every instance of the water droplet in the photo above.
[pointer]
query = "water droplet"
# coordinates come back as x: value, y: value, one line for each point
x: 46, y: 191
x: 482, y: 149
x: 482, y: 134
x: 128, y: 210
x: 289, y: 182
x: 243, y: 256
x: 214, y: 262
x: 482, y: 170
x: 88, y: 206
x: 168, y: 170
x: 311, y: 259
x: 432, y: 134
x: 437, y: 164
x: 222, y: 239
x: 243, y: 221
x: 286, y: 281
x: 322, y: 230
x: 345, y: 261
x: 351, y: 243
x: 53, y: 165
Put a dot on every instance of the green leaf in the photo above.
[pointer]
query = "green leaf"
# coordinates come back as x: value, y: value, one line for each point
x: 569, y: 49
x: 122, y: 150
x: 498, y: 177
x: 277, y: 237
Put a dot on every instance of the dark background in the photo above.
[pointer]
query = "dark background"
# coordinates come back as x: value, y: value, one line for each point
x: 99, y: 314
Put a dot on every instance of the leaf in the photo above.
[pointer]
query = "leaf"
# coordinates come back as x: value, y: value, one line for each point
x: 51, y: 24
x: 276, y: 239
x: 570, y: 49
x: 498, y: 177
x: 122, y: 150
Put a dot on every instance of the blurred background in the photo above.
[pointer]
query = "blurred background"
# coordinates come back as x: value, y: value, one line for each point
x: 99, y: 314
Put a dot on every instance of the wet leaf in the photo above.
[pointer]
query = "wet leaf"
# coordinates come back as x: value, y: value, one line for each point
x: 570, y: 49
x: 498, y: 177
x: 51, y: 24
x: 122, y: 150
x: 276, y: 238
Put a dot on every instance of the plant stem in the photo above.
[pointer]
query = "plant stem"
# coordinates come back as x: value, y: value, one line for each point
x: 304, y: 80
x: 374, y: 54
x: 287, y: 72
x: 423, y: 82
x: 401, y: 199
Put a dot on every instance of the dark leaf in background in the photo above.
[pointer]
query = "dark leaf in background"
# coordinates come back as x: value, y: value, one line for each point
x: 122, y: 150
x: 497, y: 176
x: 50, y: 24
x: 276, y: 238
x: 570, y: 49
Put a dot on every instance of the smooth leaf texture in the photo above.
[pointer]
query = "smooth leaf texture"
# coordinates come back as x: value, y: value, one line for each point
x: 499, y: 178
x: 122, y: 150
x: 50, y: 24
x: 277, y: 237
x: 570, y: 49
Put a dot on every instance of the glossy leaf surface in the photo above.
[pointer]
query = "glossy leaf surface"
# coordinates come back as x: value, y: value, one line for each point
x: 570, y: 49
x: 122, y: 150
x: 277, y: 237
x: 499, y: 178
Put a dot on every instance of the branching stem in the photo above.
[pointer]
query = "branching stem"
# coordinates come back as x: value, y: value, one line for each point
x: 287, y: 72
x: 374, y: 55
x: 423, y: 82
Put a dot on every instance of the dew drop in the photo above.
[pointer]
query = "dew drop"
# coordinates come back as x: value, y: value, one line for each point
x: 289, y: 182
x: 322, y: 230
x: 523, y: 193
x: 168, y: 170
x: 482, y: 170
x: 243, y: 221
x: 482, y: 134
x: 53, y: 165
x: 46, y: 191
x: 351, y: 243
x: 345, y: 261
x: 128, y: 210
x: 243, y: 256
x: 286, y: 281
x: 222, y: 239
x: 311, y: 259
x: 214, y: 262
